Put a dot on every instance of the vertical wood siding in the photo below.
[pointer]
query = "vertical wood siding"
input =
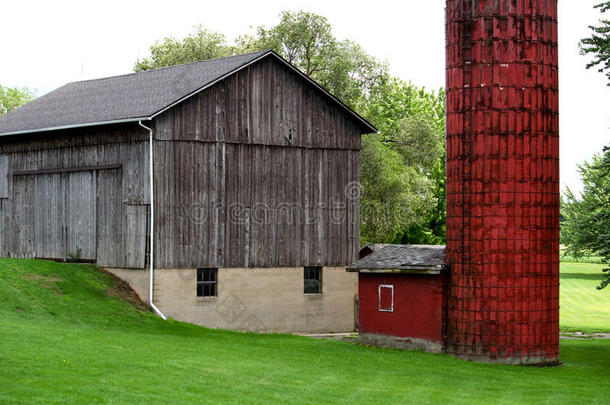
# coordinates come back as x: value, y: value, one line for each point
x: 101, y: 212
x: 253, y: 172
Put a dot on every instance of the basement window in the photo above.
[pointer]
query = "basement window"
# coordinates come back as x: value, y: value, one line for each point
x: 207, y: 281
x: 386, y: 298
x: 312, y: 280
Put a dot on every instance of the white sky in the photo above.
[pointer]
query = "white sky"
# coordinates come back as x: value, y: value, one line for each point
x: 46, y: 44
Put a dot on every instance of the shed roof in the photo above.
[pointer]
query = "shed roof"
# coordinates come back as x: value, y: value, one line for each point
x: 429, y: 259
x: 135, y: 96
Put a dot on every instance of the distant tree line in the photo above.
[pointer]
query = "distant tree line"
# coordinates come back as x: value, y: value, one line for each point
x: 402, y: 167
x: 585, y: 226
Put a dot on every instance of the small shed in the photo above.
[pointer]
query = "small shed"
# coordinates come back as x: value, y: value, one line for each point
x: 402, y: 294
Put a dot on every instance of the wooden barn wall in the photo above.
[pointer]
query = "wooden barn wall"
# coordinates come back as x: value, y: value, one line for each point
x: 265, y: 104
x: 85, y: 188
x: 254, y: 173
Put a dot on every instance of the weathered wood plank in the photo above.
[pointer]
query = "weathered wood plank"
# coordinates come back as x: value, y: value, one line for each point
x: 4, y: 176
x: 81, y: 216
x: 137, y: 224
x: 110, y: 244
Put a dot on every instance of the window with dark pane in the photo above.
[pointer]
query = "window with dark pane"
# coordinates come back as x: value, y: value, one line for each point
x: 207, y: 280
x: 312, y: 280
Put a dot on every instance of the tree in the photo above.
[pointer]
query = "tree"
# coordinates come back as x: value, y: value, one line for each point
x: 411, y: 122
x: 11, y: 98
x: 395, y: 196
x: 586, y: 220
x: 598, y: 44
x: 200, y: 45
x: 306, y: 40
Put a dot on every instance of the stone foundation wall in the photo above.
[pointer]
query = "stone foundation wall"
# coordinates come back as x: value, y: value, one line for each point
x: 253, y: 299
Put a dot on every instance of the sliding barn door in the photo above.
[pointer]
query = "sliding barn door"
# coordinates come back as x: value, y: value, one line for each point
x: 55, y: 215
x: 79, y: 214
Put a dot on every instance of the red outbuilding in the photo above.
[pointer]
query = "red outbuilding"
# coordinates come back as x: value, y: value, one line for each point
x: 402, y: 291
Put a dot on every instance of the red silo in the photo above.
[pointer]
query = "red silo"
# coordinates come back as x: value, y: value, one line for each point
x: 503, y: 180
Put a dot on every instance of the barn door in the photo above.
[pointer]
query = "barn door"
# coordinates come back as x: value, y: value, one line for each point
x: 81, y: 218
x: 55, y: 215
x: 39, y: 216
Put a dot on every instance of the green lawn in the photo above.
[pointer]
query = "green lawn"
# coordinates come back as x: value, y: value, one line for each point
x: 583, y: 307
x: 68, y: 336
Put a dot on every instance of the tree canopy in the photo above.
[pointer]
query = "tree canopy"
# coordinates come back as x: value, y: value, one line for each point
x: 411, y: 124
x: 402, y: 167
x: 11, y: 98
x: 598, y: 44
x: 200, y: 45
x: 586, y: 219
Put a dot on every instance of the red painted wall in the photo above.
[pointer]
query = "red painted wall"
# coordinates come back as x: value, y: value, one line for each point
x: 418, y: 306
x: 503, y: 180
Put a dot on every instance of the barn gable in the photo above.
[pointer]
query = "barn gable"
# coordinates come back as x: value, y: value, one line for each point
x: 270, y: 146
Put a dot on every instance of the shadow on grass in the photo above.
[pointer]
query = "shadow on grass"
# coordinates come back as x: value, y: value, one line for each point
x: 582, y: 276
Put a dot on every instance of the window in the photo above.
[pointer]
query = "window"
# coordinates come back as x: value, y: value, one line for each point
x: 312, y: 280
x: 386, y: 298
x: 207, y: 280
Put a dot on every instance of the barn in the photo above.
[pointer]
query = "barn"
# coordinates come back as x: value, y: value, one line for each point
x: 220, y: 190
x: 402, y: 291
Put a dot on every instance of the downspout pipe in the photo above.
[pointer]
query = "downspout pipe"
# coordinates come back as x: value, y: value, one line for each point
x: 152, y: 224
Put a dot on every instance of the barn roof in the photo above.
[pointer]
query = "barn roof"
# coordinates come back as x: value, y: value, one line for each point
x: 429, y: 259
x: 135, y: 96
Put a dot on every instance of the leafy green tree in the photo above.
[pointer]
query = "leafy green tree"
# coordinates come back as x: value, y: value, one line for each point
x: 395, y: 196
x: 586, y: 220
x: 306, y: 40
x: 11, y: 98
x: 411, y: 122
x: 598, y: 44
x: 200, y: 45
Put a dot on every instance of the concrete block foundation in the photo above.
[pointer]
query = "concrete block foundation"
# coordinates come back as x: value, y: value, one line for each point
x: 253, y: 299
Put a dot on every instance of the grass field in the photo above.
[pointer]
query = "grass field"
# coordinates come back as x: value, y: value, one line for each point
x: 69, y: 335
x: 583, y: 307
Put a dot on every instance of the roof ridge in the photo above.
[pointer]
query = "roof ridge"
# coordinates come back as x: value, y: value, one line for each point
x: 169, y: 67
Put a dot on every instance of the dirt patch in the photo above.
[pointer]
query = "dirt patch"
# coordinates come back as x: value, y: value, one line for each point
x: 584, y: 335
x: 123, y: 291
x: 43, y: 281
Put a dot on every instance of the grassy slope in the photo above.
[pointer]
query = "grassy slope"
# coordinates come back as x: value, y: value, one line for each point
x: 70, y: 341
x: 583, y: 307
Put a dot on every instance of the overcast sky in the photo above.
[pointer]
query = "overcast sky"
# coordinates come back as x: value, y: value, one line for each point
x: 46, y: 44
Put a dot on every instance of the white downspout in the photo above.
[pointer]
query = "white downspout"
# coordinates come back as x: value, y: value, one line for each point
x: 152, y: 224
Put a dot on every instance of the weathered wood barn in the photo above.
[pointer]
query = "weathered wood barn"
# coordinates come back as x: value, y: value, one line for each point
x: 252, y: 216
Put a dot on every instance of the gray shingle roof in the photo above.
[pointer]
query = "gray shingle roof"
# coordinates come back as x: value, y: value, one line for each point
x: 129, y: 97
x: 134, y: 95
x: 397, y: 258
